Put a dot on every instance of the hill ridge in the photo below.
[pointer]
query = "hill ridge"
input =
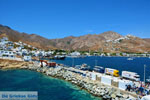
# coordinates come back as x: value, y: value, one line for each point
x: 109, y: 41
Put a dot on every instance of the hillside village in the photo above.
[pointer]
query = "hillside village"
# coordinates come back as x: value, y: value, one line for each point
x: 23, y: 51
x: 14, y: 50
x: 106, y: 42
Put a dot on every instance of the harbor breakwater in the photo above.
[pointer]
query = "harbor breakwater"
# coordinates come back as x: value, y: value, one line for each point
x: 93, y: 87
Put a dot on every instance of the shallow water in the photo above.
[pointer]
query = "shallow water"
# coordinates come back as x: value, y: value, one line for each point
x: 48, y: 88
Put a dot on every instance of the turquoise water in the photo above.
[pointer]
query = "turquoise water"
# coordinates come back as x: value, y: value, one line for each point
x: 48, y: 88
x: 55, y: 89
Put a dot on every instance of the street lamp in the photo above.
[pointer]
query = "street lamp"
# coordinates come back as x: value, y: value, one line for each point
x: 144, y: 73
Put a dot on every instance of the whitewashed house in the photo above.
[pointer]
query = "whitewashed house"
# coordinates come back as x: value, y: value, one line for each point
x: 124, y: 54
x: 36, y: 53
x: 117, y: 54
x: 42, y: 53
x: 24, y: 52
x: 4, y: 39
x: 64, y: 53
x: 9, y: 54
x: 3, y: 42
x: 75, y: 54
x: 27, y: 58
x: 19, y: 48
x: 1, y: 53
x: 102, y: 54
x: 88, y: 54
x: 108, y: 54
x: 50, y: 52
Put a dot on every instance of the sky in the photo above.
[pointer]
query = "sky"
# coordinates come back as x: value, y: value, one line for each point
x: 61, y: 18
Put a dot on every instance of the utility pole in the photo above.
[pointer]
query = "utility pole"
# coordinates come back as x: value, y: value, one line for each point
x: 72, y: 61
x: 144, y: 73
x: 95, y: 62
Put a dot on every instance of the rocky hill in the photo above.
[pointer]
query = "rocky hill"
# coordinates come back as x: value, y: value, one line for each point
x: 106, y: 42
x: 85, y: 42
x: 34, y: 40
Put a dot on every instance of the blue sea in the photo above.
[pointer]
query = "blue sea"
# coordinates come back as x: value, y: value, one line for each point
x: 56, y: 89
x: 119, y: 63
x: 48, y: 88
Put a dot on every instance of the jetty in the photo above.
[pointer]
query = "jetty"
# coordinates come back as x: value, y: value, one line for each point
x: 77, y: 77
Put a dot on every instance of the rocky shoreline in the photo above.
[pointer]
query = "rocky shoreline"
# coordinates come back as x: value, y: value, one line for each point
x: 94, y: 87
x: 13, y: 64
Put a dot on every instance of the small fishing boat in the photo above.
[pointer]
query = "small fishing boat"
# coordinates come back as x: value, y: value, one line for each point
x: 59, y: 57
x: 130, y: 59
x: 148, y: 80
x: 82, y: 67
x: 98, y: 69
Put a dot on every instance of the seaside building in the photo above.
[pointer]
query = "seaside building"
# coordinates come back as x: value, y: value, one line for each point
x: 75, y: 54
x: 27, y: 58
x: 117, y: 54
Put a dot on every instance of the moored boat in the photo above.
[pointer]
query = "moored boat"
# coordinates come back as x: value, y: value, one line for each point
x: 130, y: 59
x: 99, y: 69
x: 59, y: 57
x: 83, y: 67
x: 148, y: 80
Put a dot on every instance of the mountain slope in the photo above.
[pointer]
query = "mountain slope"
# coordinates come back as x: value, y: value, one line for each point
x: 85, y: 42
x: 147, y: 39
x: 32, y: 39
x: 106, y: 42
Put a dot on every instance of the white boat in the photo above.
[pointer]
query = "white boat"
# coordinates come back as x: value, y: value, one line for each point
x: 148, y: 80
x: 82, y: 67
x: 72, y: 56
x: 130, y: 59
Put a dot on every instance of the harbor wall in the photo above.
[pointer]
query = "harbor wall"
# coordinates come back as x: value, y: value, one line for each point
x: 95, y: 87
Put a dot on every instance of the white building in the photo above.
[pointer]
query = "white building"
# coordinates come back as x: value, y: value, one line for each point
x: 124, y: 54
x: 75, y: 53
x: 27, y: 58
x: 25, y: 51
x: 117, y: 54
x: 7, y: 54
x: 4, y: 39
x: 108, y: 54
